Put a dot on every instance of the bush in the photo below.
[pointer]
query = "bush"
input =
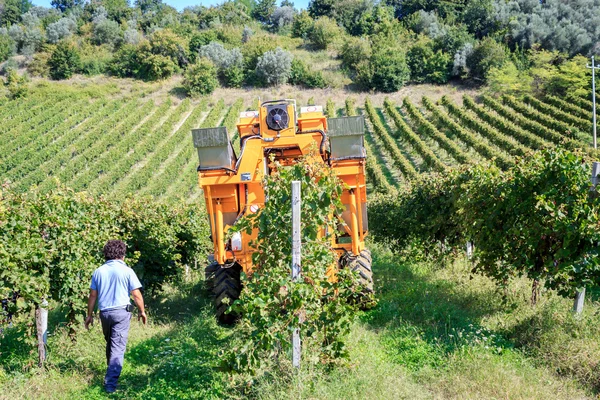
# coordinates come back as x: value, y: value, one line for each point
x: 282, y: 17
x: 354, y: 50
x: 107, y: 31
x: 302, y: 25
x: 201, y: 78
x: 155, y: 67
x: 389, y: 70
x: 132, y: 36
x: 254, y: 49
x: 486, y: 54
x: 96, y: 61
x: 168, y: 44
x: 301, y: 75
x: 200, y: 39
x: 247, y: 33
x: 233, y: 77
x: 39, y: 65
x: 7, y: 46
x: 229, y: 63
x: 125, y: 62
x: 274, y: 67
x: 61, y: 29
x: 426, y: 65
x: 16, y: 84
x: 64, y: 61
x: 324, y: 33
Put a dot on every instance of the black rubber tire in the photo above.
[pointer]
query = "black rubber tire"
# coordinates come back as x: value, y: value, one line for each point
x: 226, y: 289
x: 209, y: 276
x: 362, y: 266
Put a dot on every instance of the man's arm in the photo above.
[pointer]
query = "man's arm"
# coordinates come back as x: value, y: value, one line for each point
x: 139, y: 302
x: 91, y: 303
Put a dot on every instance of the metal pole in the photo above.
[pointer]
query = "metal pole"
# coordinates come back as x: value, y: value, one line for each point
x: 593, y: 67
x: 296, y: 263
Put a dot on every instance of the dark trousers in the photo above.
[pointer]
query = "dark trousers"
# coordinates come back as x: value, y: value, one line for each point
x: 115, y: 326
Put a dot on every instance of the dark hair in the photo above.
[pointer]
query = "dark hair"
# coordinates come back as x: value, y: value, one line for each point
x: 114, y: 250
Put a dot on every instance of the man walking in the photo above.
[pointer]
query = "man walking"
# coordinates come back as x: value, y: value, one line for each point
x: 111, y: 285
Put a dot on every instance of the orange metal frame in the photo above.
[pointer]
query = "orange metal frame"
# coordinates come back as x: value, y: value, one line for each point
x: 235, y: 192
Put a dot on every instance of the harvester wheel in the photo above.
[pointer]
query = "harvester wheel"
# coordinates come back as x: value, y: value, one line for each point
x: 226, y: 289
x: 209, y: 276
x: 361, y: 265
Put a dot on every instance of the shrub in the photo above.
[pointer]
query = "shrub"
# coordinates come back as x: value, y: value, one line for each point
x: 233, y: 76
x: 125, y: 62
x: 107, y: 31
x: 168, y: 44
x: 274, y: 67
x: 61, y: 29
x: 354, y: 50
x: 132, y: 36
x: 282, y: 17
x: 201, y: 78
x: 247, y: 34
x: 324, y: 33
x: 263, y: 10
x: 95, y: 61
x: 7, y: 46
x: 64, y: 61
x: 39, y: 65
x: 155, y: 67
x: 302, y: 25
x: 200, y: 39
x: 301, y: 75
x: 486, y: 54
x: 389, y: 70
x: 459, y: 65
x: 16, y: 84
x: 426, y: 65
x: 254, y: 49
x: 229, y: 63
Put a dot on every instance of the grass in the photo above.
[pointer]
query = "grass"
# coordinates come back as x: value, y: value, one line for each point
x: 437, y: 333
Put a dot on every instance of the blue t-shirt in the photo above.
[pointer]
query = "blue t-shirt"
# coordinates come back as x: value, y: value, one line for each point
x: 114, y: 281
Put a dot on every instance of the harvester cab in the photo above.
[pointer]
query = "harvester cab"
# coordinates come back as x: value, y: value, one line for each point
x: 232, y: 185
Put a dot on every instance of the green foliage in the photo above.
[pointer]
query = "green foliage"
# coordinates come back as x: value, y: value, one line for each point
x: 324, y: 33
x: 537, y: 219
x: 64, y: 61
x: 354, y: 50
x: 274, y: 67
x: 7, y: 47
x: 39, y: 65
x: 427, y: 65
x: 301, y: 75
x: 64, y: 5
x: 263, y: 10
x: 50, y: 244
x: 271, y: 304
x: 486, y: 54
x: 302, y: 24
x: 16, y: 84
x: 255, y: 48
x: 201, y: 78
x: 389, y: 70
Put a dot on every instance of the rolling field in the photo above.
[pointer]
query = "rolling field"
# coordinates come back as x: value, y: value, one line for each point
x: 119, y: 145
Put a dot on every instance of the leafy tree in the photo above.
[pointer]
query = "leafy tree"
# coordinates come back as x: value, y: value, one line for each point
x: 321, y: 8
x: 354, y: 50
x: 274, y: 67
x: 247, y: 34
x: 155, y: 67
x: 389, y: 70
x: 324, y: 32
x: 479, y: 16
x: 64, y: 61
x: 132, y: 36
x: 126, y: 63
x: 7, y: 47
x: 282, y: 17
x: 486, y: 54
x: 263, y: 10
x: 107, y: 31
x: 302, y: 24
x: 64, y: 5
x: 201, y: 78
x: 149, y: 5
x: 254, y: 49
x: 11, y: 13
x: 38, y: 66
x: 427, y: 65
x: 61, y: 29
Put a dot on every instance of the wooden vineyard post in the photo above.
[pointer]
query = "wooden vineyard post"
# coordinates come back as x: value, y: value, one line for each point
x: 296, y: 263
x: 41, y: 324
